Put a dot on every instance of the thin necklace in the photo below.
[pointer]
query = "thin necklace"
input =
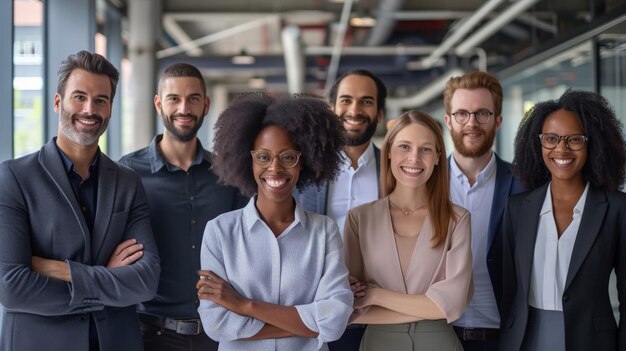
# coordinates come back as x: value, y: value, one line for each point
x: 406, y: 212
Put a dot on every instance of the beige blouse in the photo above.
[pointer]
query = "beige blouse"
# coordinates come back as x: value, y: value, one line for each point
x: 444, y: 274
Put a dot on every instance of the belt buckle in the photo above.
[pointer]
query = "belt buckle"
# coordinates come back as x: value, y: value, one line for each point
x: 180, y: 326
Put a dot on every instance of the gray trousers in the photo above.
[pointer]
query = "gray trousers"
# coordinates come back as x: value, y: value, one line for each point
x: 425, y: 335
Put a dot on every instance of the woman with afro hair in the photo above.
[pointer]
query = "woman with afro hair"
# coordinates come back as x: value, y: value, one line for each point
x: 273, y: 275
x: 565, y: 236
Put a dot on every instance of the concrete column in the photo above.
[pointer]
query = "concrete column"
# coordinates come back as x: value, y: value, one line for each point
x: 219, y: 101
x: 62, y: 38
x: 6, y: 84
x: 144, y: 17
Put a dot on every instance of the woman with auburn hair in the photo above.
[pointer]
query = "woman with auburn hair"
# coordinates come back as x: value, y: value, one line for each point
x: 567, y: 234
x: 409, y: 253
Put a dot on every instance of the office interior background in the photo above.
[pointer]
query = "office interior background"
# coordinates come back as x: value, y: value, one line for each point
x: 537, y: 48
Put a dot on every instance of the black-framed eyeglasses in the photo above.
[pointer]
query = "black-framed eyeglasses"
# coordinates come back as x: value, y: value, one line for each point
x: 287, y: 159
x: 482, y: 116
x: 573, y: 142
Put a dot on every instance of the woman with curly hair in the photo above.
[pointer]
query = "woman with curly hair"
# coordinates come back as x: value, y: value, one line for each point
x: 566, y: 235
x: 412, y: 247
x: 273, y: 275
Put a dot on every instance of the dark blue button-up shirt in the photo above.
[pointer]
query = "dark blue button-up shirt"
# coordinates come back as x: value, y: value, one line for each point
x: 85, y: 190
x: 181, y: 203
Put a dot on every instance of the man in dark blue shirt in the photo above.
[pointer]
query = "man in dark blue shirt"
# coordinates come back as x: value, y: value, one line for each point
x: 183, y: 196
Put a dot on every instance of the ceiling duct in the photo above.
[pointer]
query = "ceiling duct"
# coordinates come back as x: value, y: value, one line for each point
x: 294, y: 59
x: 385, y: 22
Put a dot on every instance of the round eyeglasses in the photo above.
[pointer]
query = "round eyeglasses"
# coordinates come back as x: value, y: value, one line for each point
x: 482, y: 116
x: 287, y: 159
x: 573, y: 142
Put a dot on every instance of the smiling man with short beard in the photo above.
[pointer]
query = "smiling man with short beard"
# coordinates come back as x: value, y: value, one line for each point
x: 482, y: 183
x: 358, y: 99
x: 183, y: 195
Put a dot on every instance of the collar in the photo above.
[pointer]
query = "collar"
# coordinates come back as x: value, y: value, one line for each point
x: 69, y: 166
x: 578, y: 209
x: 367, y: 157
x: 251, y: 215
x: 157, y: 161
x: 486, y: 173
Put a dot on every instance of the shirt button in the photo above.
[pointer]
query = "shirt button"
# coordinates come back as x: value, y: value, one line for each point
x: 193, y: 221
x: 353, y: 198
x: 191, y: 198
x: 193, y: 247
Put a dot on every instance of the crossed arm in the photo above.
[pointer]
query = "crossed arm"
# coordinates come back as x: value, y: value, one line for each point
x: 126, y: 253
x: 280, y: 321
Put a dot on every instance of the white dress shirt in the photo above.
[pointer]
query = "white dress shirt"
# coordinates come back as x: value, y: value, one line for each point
x: 552, y: 256
x: 353, y: 187
x: 482, y: 311
x: 302, y: 267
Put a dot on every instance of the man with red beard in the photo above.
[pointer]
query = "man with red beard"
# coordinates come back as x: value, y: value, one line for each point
x: 482, y: 183
x: 358, y: 98
x: 77, y: 248
x: 183, y: 195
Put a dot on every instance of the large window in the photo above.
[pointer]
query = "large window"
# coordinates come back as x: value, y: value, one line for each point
x: 28, y: 80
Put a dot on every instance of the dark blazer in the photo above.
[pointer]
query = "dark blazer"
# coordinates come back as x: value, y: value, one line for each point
x: 505, y: 186
x: 39, y: 215
x: 314, y: 198
x: 599, y: 248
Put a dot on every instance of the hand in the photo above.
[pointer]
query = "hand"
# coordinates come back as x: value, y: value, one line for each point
x: 213, y: 288
x: 368, y: 299
x: 125, y: 254
x: 358, y: 288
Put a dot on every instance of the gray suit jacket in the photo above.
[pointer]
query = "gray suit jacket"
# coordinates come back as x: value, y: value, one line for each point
x: 314, y: 198
x: 600, y: 247
x: 40, y: 216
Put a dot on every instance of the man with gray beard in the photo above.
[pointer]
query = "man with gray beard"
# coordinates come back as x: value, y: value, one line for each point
x: 77, y: 248
x: 183, y: 196
x: 482, y: 183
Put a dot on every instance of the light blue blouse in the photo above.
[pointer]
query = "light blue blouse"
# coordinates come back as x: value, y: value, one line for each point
x: 302, y: 267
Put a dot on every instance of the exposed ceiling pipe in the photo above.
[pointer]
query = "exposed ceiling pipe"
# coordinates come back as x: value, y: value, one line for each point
x: 340, y: 36
x: 372, y: 50
x: 207, y: 39
x: 494, y: 25
x: 180, y: 36
x: 385, y: 22
x: 294, y: 59
x: 429, y: 92
x: 460, y: 32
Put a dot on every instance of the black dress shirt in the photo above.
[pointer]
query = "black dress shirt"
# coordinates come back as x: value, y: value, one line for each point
x: 181, y: 203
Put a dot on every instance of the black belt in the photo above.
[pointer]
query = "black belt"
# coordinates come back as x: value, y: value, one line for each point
x: 180, y: 326
x: 477, y: 334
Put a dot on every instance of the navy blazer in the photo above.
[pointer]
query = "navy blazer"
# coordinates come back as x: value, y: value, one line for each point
x: 600, y: 247
x: 314, y: 198
x: 505, y: 186
x: 40, y: 216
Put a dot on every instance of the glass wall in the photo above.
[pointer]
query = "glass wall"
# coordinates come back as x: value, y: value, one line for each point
x: 572, y: 68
